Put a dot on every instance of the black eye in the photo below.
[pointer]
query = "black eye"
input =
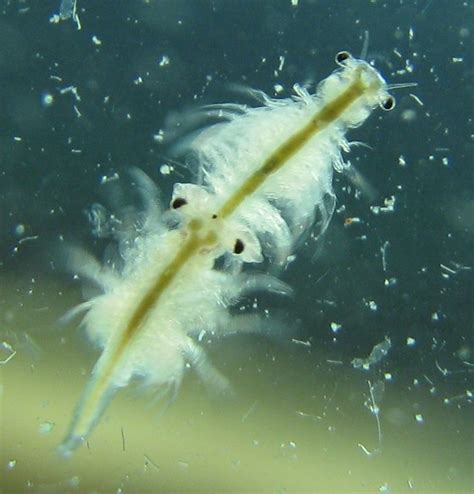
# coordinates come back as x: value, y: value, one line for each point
x: 239, y: 246
x: 178, y: 202
x: 342, y: 56
x: 388, y: 104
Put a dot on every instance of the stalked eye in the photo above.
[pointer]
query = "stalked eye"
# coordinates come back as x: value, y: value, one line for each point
x: 388, y: 103
x: 239, y: 246
x: 179, y: 202
x: 342, y: 56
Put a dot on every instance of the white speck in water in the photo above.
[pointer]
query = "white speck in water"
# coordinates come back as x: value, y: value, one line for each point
x: 419, y: 418
x: 166, y: 169
x: 411, y: 341
x: 159, y: 137
x: 165, y: 60
x: 46, y: 427
x: 19, y: 229
x: 372, y: 305
x: 278, y: 88
x: 47, y: 99
x: 335, y: 327
x: 11, y: 464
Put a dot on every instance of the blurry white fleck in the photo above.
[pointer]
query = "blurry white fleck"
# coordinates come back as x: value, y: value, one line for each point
x: 46, y: 427
x: 278, y: 88
x: 384, y: 487
x: 19, y: 229
x: 383, y: 250
x: 294, y: 3
x: 96, y: 40
x: 408, y: 115
x: 457, y: 59
x: 47, y: 99
x: 435, y: 316
x: 301, y: 342
x: 428, y: 380
x: 182, y: 464
x: 28, y: 239
x: 390, y: 282
x: 159, y: 137
x: 165, y: 60
x: 397, y: 53
x: 419, y: 418
x: 105, y: 179
x: 411, y: 341
x: 17, y: 139
x: 410, y: 483
x: 372, y: 305
x: 401, y: 160
x: 138, y: 81
x: 445, y: 161
x: 11, y: 464
x: 308, y: 415
x: 335, y: 362
x: 201, y: 334
x: 166, y: 169
x: 335, y: 327
x: 364, y: 449
x: 443, y: 371
x: 388, y: 376
x: 282, y: 63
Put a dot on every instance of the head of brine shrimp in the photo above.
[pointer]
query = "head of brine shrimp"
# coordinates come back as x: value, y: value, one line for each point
x: 373, y: 85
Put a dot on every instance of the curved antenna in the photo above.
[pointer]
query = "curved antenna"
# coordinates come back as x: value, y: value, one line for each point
x: 365, y: 46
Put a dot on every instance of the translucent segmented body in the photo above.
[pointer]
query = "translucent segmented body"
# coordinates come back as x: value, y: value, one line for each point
x: 265, y: 174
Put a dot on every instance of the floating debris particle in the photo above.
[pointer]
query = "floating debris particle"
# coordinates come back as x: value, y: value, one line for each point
x: 411, y: 341
x: 419, y: 418
x: 46, y: 427
x: 335, y: 327
x: 377, y: 354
